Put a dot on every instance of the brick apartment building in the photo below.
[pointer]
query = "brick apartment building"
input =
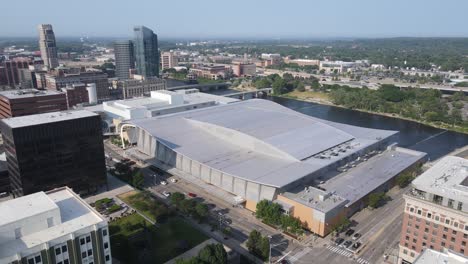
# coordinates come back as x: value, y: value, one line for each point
x: 31, y: 101
x: 436, y: 211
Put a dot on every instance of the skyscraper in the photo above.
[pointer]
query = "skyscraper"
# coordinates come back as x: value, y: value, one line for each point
x: 48, y: 46
x: 124, y: 58
x: 51, y: 150
x: 146, y: 51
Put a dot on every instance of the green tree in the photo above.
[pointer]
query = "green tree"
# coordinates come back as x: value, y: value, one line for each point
x: 279, y: 86
x: 138, y: 180
x: 300, y: 87
x: 187, y: 206
x: 213, y: 254
x: 201, y: 210
x: 376, y: 199
x: 404, y: 179
x: 177, y: 198
x: 262, y: 83
x: 264, y: 248
x: 253, y: 241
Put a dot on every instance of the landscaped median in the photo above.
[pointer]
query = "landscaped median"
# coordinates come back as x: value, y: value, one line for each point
x: 135, y: 240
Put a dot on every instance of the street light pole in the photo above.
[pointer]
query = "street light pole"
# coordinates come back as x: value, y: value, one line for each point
x: 269, y: 254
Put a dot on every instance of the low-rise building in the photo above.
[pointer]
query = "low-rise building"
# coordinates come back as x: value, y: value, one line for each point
x: 256, y: 149
x: 241, y: 69
x: 211, y: 71
x: 15, y: 103
x: 75, y: 94
x: 303, y: 62
x: 436, y: 210
x: 55, y: 227
x: 140, y: 87
x: 335, y: 66
x: 56, y: 80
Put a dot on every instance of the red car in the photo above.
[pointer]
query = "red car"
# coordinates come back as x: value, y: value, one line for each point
x: 192, y: 195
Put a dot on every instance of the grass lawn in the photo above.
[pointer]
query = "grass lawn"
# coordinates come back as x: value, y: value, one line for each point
x: 169, y: 237
x: 308, y: 94
x: 165, y: 242
x: 144, y: 203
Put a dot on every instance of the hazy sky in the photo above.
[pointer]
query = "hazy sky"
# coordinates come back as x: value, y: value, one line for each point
x: 238, y: 18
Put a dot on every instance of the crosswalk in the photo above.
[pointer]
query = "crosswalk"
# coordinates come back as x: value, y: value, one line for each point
x: 346, y: 253
x: 299, y: 254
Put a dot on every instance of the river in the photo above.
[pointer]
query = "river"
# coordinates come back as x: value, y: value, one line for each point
x: 434, y: 141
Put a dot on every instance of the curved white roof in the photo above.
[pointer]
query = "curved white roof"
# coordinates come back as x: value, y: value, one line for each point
x: 257, y: 140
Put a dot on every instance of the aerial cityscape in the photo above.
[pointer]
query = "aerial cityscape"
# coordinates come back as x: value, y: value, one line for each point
x: 250, y: 132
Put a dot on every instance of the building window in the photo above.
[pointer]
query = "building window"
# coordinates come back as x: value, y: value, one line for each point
x: 411, y: 209
x: 107, y: 257
x: 454, y: 232
x: 462, y: 251
x: 432, y: 240
x: 444, y: 236
x: 435, y: 225
x: 18, y: 233
x: 442, y: 244
x: 57, y: 251
x: 431, y: 247
x: 447, y: 221
x: 410, y: 216
x: 445, y: 229
x: 414, y: 240
x: 418, y: 219
x: 416, y: 226
x: 451, y: 247
x: 83, y: 254
x: 64, y: 248
x: 35, y: 260
x: 450, y: 203
x: 50, y: 222
x: 88, y: 239
x: 66, y: 261
x: 104, y: 232
x: 455, y: 224
x: 434, y: 233
x: 424, y: 244
x: 429, y: 215
x: 465, y: 235
x: 405, y: 251
x: 460, y: 206
x: 90, y: 252
x: 413, y: 247
x: 82, y: 241
x: 406, y: 244
x: 463, y: 243
x: 412, y: 254
x: 419, y: 211
x: 106, y: 245
x: 437, y: 199
x: 407, y: 237
x: 437, y: 218
x: 426, y: 230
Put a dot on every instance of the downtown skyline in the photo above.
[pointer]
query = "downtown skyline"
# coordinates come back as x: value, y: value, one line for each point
x: 257, y: 20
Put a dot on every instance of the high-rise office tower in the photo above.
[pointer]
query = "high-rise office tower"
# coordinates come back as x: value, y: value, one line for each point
x: 51, y: 150
x: 48, y: 46
x: 124, y: 58
x: 146, y: 51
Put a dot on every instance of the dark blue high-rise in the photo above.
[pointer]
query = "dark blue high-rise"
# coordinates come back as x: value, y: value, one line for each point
x: 146, y: 51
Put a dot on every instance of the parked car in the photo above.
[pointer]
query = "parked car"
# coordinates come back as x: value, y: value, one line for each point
x: 356, y: 236
x: 338, y: 241
x: 347, y: 243
x: 163, y: 182
x: 166, y: 193
x: 356, y: 245
x: 192, y: 195
x: 173, y: 180
x: 349, y: 232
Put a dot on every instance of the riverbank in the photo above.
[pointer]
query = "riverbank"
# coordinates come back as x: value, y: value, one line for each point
x: 324, y: 99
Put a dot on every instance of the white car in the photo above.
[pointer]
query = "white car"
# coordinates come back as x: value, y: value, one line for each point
x: 173, y: 180
x: 163, y: 182
x: 166, y: 193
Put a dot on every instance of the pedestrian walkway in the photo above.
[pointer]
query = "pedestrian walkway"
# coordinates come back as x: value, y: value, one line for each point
x: 299, y: 254
x: 346, y: 253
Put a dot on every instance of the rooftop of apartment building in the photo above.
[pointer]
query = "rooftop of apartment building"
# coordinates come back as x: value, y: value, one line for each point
x: 42, y: 217
x: 39, y: 119
x: 447, y: 178
x: 26, y: 93
x: 430, y: 256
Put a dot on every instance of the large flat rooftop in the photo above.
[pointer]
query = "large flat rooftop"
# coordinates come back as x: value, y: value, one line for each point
x: 447, y: 178
x: 39, y: 119
x: 74, y: 212
x: 259, y: 140
x: 368, y: 175
x: 27, y: 93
